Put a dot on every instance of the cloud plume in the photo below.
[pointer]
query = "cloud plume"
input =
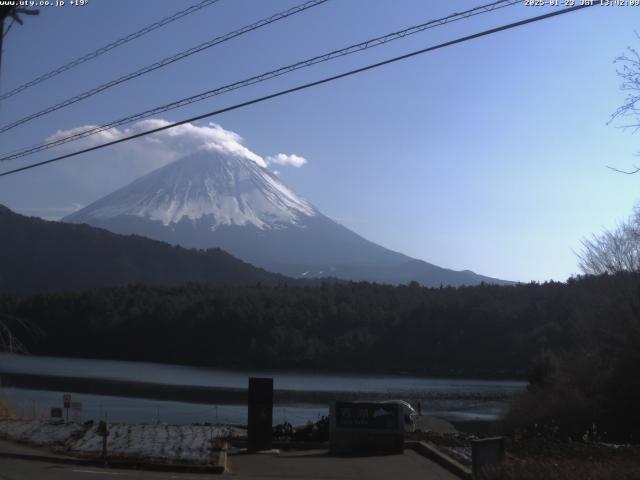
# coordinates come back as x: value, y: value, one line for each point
x: 174, y: 142
x: 283, y: 159
x: 110, y: 168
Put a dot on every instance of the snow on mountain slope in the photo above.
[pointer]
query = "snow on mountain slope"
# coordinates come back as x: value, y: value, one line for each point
x: 210, y: 199
x: 227, y: 190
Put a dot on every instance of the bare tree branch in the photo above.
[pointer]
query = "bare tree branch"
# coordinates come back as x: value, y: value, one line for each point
x: 627, y: 172
x: 613, y: 251
x: 629, y: 72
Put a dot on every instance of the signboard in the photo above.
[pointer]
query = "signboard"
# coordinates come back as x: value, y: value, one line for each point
x: 56, y: 412
x: 366, y: 427
x: 260, y: 413
x: 76, y: 411
x: 379, y: 416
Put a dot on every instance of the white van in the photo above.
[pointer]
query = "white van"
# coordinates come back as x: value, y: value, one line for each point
x: 410, y: 414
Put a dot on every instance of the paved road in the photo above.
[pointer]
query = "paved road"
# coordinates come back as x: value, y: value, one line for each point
x: 316, y: 464
x: 26, y: 470
x: 310, y: 465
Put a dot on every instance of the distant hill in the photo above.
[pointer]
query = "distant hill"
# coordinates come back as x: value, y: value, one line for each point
x: 39, y: 255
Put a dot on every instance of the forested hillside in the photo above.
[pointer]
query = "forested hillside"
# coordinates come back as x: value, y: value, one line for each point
x: 37, y: 255
x: 487, y: 331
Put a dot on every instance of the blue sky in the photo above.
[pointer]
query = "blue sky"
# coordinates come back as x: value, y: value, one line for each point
x: 490, y: 155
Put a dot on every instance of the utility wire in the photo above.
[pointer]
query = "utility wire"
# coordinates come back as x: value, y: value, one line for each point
x: 308, y: 85
x: 6, y: 32
x: 167, y: 61
x: 110, y: 46
x: 374, y: 42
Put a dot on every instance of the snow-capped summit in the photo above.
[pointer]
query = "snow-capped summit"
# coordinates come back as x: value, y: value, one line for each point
x: 213, y: 199
x: 207, y: 186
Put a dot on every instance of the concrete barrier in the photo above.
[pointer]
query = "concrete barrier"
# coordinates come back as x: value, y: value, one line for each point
x: 366, y: 428
x: 434, y: 454
x: 486, y: 452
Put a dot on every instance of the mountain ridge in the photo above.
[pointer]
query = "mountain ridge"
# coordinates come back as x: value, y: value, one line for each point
x: 226, y: 191
x: 209, y: 199
x: 40, y: 255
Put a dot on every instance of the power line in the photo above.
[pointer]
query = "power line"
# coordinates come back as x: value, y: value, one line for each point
x: 167, y: 61
x: 308, y: 85
x: 6, y: 32
x: 374, y: 42
x: 110, y: 46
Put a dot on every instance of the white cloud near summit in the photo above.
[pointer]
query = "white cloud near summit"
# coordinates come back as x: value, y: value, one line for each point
x: 160, y: 148
x: 292, y: 160
x: 194, y: 137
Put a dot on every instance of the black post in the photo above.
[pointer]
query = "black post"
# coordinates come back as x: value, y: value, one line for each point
x: 103, y: 430
x: 66, y: 401
x: 260, y: 413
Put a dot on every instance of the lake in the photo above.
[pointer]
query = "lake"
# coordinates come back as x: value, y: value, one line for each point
x: 452, y: 399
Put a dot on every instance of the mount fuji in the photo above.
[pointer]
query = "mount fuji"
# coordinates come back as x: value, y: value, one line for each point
x: 213, y: 199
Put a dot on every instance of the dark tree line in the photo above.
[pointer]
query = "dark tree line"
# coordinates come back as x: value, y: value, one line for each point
x: 37, y: 255
x: 487, y: 331
x: 590, y: 389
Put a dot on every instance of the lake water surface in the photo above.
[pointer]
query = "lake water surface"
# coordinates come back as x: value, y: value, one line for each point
x: 453, y: 399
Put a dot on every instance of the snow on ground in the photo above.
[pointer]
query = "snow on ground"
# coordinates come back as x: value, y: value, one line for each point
x: 462, y: 454
x: 173, y: 443
x: 39, y: 432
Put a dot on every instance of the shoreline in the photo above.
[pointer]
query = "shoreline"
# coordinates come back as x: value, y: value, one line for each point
x: 208, y: 394
x: 476, y: 427
x: 272, y: 370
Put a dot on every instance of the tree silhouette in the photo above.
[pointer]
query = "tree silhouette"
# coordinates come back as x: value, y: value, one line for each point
x: 629, y: 73
x: 613, y: 251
